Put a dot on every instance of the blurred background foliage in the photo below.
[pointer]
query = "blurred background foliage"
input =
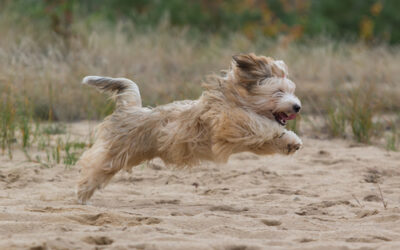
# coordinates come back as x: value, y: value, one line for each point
x: 374, y: 21
x: 343, y: 54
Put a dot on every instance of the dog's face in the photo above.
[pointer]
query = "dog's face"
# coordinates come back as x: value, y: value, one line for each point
x: 264, y: 87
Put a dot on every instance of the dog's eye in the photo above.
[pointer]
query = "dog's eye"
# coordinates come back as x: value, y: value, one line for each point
x: 280, y: 91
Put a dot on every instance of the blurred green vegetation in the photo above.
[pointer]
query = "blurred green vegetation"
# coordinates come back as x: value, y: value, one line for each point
x: 291, y: 20
x: 168, y: 46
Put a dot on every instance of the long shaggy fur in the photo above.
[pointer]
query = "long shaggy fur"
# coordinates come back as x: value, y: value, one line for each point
x: 235, y: 113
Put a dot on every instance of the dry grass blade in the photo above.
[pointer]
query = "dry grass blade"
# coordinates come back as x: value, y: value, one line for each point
x: 382, y: 199
x: 355, y: 198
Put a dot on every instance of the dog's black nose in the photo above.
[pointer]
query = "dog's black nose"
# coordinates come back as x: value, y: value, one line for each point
x: 296, y: 108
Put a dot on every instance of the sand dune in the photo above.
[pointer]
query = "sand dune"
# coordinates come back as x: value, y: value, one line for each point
x: 324, y: 197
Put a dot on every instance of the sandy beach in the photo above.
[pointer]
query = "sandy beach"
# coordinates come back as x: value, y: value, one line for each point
x: 324, y: 197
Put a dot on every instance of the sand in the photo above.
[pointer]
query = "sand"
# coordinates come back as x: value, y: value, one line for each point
x: 324, y: 197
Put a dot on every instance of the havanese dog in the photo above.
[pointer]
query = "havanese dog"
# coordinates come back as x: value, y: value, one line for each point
x: 246, y: 109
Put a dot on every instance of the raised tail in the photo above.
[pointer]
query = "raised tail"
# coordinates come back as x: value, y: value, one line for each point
x: 126, y: 92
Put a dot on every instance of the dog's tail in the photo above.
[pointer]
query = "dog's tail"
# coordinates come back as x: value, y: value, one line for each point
x: 125, y: 91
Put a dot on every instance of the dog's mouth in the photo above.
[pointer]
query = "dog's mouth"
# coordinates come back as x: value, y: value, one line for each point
x: 282, y: 117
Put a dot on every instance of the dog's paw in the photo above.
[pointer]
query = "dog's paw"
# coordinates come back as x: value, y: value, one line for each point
x: 289, y: 142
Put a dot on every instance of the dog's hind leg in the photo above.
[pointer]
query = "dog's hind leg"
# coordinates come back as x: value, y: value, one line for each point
x: 99, y: 164
x: 96, y: 171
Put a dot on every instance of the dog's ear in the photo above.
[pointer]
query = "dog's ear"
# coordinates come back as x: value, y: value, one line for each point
x: 250, y: 69
x: 279, y: 69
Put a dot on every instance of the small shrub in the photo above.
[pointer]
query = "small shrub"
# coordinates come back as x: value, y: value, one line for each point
x: 336, y: 122
x: 7, y: 123
x: 391, y: 142
x: 361, y: 124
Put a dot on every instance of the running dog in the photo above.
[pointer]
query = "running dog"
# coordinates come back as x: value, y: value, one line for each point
x: 245, y: 109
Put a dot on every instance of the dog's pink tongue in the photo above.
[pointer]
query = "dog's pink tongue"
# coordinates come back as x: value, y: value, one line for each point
x: 291, y: 117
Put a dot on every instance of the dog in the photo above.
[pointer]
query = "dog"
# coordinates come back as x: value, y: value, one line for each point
x: 245, y: 109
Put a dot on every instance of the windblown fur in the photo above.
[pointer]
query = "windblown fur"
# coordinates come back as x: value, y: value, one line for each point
x: 237, y: 112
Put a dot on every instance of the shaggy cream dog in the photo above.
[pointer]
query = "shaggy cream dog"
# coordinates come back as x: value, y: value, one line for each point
x: 244, y: 110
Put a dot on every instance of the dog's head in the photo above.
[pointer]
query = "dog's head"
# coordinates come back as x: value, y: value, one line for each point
x: 264, y: 87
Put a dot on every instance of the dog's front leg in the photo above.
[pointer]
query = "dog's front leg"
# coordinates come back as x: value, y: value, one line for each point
x: 240, y: 132
x: 287, y: 143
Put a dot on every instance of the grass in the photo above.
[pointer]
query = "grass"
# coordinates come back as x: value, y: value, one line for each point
x: 46, y: 143
x: 392, y: 134
x: 336, y: 121
x: 358, y: 113
x: 54, y: 129
x: 349, y: 85
x: 392, y: 142
x: 384, y: 203
x: 294, y: 125
x: 168, y: 64
x: 59, y: 150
